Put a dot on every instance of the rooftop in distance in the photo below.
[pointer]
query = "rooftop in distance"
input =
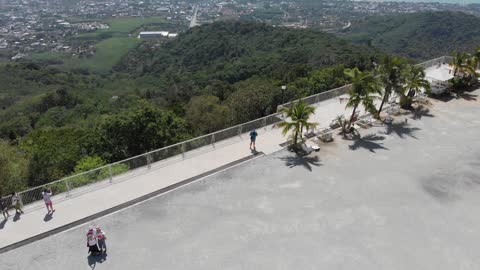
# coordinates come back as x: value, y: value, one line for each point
x: 156, y: 34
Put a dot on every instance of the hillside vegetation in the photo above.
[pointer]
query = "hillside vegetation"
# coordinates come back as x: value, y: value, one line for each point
x: 234, y: 51
x: 419, y: 35
x: 55, y: 122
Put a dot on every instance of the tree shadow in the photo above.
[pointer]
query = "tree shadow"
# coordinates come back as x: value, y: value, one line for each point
x: 369, y: 142
x: 450, y: 184
x: 92, y: 260
x: 440, y: 188
x: 420, y: 112
x: 306, y: 161
x: 2, y: 224
x: 466, y: 96
x: 445, y: 97
x: 401, y: 129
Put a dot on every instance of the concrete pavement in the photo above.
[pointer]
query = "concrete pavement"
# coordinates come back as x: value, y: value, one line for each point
x: 90, y: 200
x: 404, y: 196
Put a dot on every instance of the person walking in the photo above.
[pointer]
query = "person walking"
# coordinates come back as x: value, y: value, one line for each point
x: 92, y: 243
x: 101, y: 238
x: 253, y: 137
x: 17, y: 203
x: 47, y: 193
x: 4, y: 207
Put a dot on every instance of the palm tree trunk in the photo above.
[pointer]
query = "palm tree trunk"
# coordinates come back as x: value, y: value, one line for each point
x: 385, y: 97
x: 351, y: 117
x: 411, y: 92
x: 295, y: 135
x: 301, y: 131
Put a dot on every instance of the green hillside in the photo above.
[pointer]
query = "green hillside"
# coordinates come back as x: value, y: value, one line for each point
x: 234, y: 51
x: 419, y: 35
x: 58, y: 121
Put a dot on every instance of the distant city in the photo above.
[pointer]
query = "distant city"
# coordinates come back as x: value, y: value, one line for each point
x: 39, y: 26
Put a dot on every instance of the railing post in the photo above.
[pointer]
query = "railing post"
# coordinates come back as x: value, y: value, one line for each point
x: 67, y: 185
x: 149, y: 161
x: 265, y: 123
x: 183, y: 150
x: 110, y: 172
x: 213, y: 140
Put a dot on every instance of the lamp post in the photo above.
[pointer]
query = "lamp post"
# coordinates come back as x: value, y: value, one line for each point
x: 284, y: 87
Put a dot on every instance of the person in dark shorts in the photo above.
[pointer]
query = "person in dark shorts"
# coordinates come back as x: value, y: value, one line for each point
x: 17, y: 203
x: 253, y: 137
x: 4, y: 208
x: 101, y: 238
x: 92, y: 243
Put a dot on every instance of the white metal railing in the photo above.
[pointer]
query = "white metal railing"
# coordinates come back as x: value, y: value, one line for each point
x: 344, y: 89
x: 436, y: 62
x: 320, y: 96
x: 127, y: 168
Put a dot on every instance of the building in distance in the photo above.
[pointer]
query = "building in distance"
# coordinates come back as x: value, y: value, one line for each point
x: 156, y: 34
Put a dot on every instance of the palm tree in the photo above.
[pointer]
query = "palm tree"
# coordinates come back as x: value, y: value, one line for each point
x: 457, y: 62
x: 461, y: 63
x: 298, y: 114
x: 414, y: 82
x: 476, y: 58
x: 390, y: 75
x: 470, y: 70
x: 361, y: 92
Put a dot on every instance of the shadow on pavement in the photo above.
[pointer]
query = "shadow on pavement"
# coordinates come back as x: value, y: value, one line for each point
x: 93, y: 260
x: 440, y: 188
x: 466, y: 96
x: 48, y: 217
x: 401, y: 130
x: 369, y: 142
x: 305, y: 161
x: 254, y: 151
x: 16, y: 217
x: 420, y: 112
x: 450, y: 184
x: 2, y: 224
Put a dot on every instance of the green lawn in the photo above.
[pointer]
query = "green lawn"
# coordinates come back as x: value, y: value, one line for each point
x: 121, y: 27
x: 111, y: 44
x: 108, y: 53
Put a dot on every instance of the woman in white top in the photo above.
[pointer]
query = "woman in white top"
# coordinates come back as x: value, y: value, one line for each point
x: 92, y: 242
x: 46, y: 193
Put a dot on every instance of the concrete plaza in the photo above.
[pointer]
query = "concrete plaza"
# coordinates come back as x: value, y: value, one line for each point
x: 93, y: 199
x: 404, y: 196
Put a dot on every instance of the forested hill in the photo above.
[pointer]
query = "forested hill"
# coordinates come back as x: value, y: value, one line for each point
x: 233, y: 51
x: 55, y: 123
x: 418, y: 35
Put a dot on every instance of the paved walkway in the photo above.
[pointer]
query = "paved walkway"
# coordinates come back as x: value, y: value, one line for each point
x: 90, y: 200
x: 400, y: 197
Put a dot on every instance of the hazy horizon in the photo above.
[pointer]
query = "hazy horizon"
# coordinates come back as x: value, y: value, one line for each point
x: 430, y: 1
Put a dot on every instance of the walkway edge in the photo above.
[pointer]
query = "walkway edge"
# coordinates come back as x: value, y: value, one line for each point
x: 126, y: 204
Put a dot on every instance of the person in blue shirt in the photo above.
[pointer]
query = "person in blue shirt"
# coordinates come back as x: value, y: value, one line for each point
x: 253, y: 137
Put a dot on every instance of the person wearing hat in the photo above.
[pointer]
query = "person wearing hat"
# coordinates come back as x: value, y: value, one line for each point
x: 92, y: 241
x: 102, y: 245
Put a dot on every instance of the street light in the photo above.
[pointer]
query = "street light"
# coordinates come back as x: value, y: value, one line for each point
x: 284, y: 87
